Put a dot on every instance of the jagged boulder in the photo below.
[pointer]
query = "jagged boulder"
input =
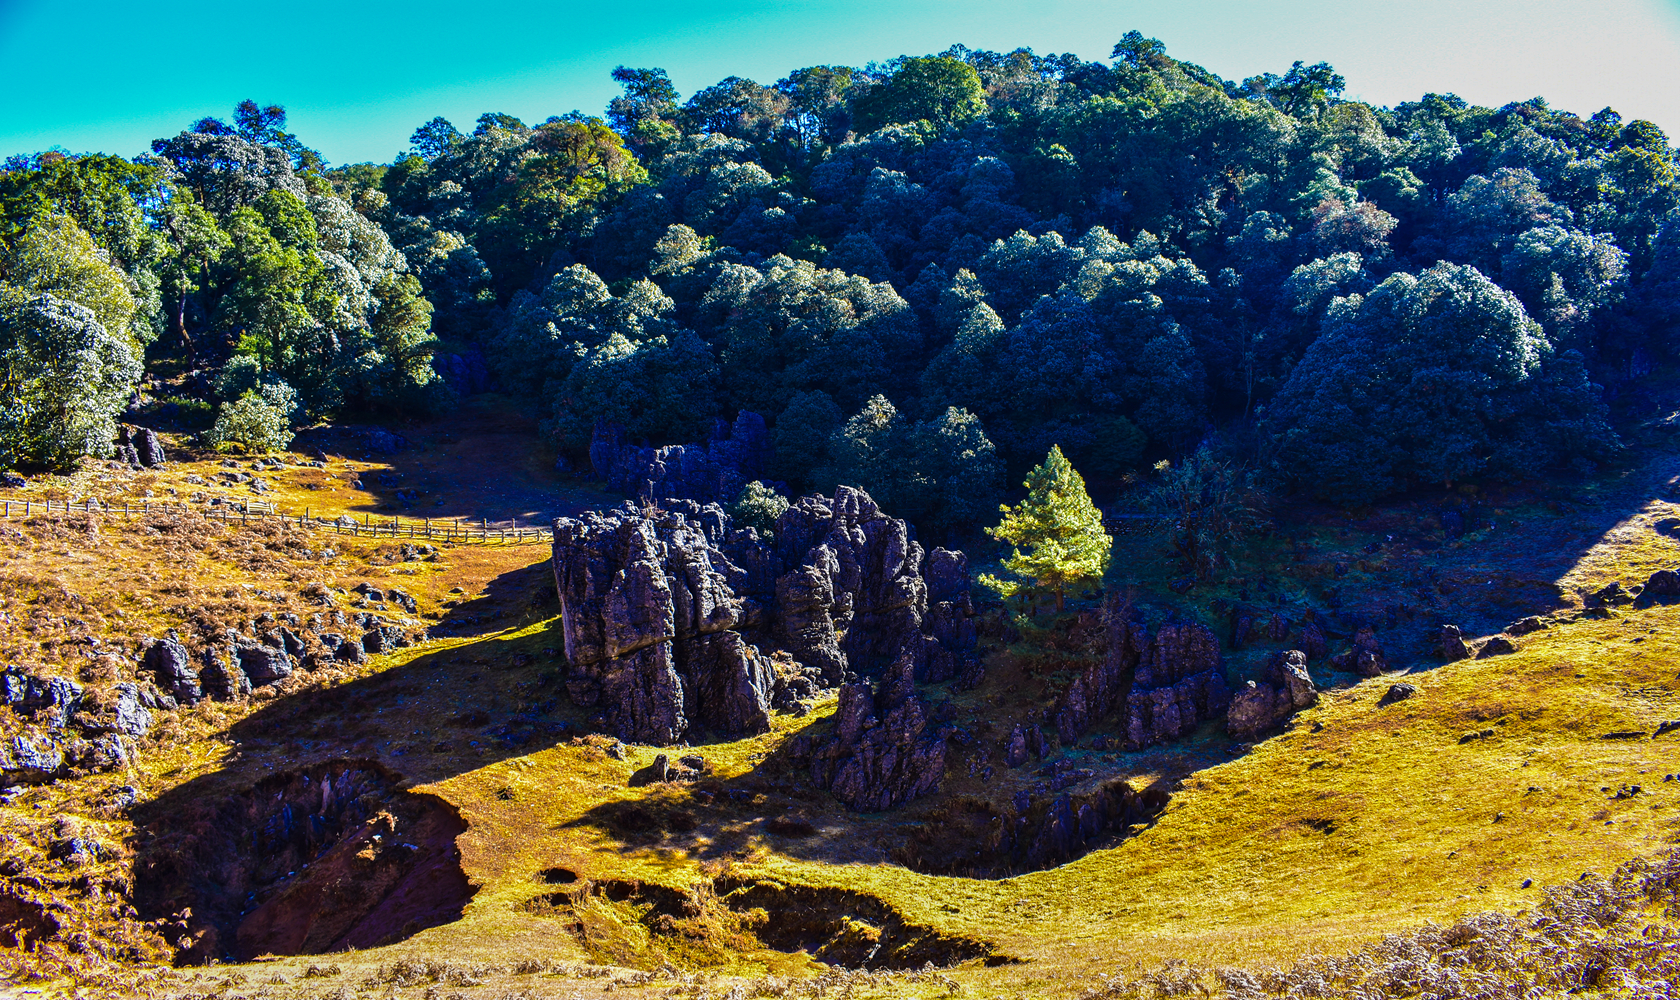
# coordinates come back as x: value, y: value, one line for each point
x: 50, y: 701
x: 31, y: 758
x: 263, y: 664
x: 1179, y: 683
x: 221, y: 676
x: 950, y: 620
x: 1450, y: 644
x: 1261, y: 705
x: 1662, y: 583
x: 1366, y: 658
x: 1176, y: 681
x: 645, y: 602
x: 882, y: 753
x: 139, y: 446
x: 171, y: 664
x: 665, y: 612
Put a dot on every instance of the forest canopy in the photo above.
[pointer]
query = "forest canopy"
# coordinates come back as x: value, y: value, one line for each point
x: 925, y: 274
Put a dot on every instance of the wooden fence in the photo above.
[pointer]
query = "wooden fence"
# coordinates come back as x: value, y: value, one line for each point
x: 457, y: 531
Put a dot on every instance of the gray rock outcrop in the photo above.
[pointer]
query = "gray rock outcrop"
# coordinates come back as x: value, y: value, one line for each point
x: 667, y: 616
x: 1264, y: 704
x: 1167, y: 684
x: 139, y: 446
x: 170, y: 663
x: 882, y: 753
x: 49, y: 701
x: 1450, y: 644
x: 642, y: 595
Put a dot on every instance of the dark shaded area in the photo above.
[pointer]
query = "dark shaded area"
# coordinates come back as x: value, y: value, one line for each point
x: 328, y: 857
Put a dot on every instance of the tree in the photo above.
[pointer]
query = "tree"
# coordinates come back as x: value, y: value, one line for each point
x: 660, y: 388
x: 434, y: 138
x: 54, y: 255
x: 646, y: 112
x: 1213, y: 507
x: 758, y: 507
x: 801, y: 436
x: 1431, y: 378
x: 1061, y: 529
x: 194, y: 242
x: 259, y: 421
x: 940, y: 90
x: 63, y: 379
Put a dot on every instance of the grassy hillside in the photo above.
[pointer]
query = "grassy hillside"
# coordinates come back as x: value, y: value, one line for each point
x: 1500, y: 777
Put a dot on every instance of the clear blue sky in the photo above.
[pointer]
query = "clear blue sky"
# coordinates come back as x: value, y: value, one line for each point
x: 357, y: 77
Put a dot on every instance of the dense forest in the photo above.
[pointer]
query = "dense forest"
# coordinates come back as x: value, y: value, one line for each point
x: 923, y: 273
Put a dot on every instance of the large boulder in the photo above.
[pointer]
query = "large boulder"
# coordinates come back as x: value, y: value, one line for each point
x: 49, y: 701
x: 1450, y: 644
x: 31, y: 758
x: 648, y: 609
x: 264, y: 664
x: 170, y: 663
x: 139, y: 446
x: 1179, y: 684
x: 1167, y: 684
x: 883, y: 752
x: 1264, y: 704
x: 221, y: 675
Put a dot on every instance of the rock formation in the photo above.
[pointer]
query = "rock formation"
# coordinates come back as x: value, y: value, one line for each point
x: 139, y: 446
x: 1450, y: 644
x: 882, y: 753
x: 665, y: 614
x: 1167, y: 684
x: 1261, y: 705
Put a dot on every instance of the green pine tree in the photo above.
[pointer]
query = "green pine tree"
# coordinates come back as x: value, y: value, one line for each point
x: 1060, y: 528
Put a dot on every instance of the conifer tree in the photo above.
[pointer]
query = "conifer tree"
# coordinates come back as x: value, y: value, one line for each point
x: 1060, y: 528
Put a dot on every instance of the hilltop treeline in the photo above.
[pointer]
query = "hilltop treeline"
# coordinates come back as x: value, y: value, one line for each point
x: 924, y: 273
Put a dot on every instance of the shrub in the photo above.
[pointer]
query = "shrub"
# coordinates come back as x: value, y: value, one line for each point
x: 259, y: 421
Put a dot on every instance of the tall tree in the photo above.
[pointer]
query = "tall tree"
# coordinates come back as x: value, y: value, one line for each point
x: 1061, y: 529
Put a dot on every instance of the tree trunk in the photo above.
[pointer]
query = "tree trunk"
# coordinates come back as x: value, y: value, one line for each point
x: 181, y: 330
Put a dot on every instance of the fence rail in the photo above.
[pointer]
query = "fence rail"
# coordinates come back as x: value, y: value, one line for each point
x: 456, y: 531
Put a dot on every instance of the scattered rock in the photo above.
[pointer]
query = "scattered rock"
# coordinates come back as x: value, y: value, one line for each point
x: 264, y: 664
x: 1530, y: 624
x: 1450, y: 644
x: 1496, y: 646
x: 1610, y: 595
x: 30, y: 758
x: 1365, y: 658
x: 1397, y: 692
x: 1662, y: 583
x: 50, y: 701
x: 170, y: 663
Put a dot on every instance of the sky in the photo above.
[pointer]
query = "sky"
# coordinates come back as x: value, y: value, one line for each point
x: 358, y: 77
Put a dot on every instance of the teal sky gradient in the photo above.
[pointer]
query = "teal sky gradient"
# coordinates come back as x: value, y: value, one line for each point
x: 358, y: 77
